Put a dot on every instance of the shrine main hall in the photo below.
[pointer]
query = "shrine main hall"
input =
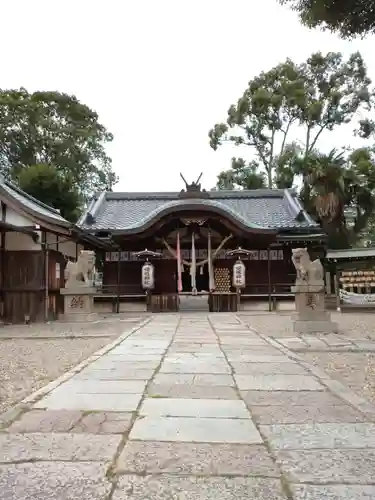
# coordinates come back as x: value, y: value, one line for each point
x: 223, y: 243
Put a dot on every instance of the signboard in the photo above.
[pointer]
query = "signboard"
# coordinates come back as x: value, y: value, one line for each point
x: 148, y: 276
x: 201, y: 254
x: 239, y: 275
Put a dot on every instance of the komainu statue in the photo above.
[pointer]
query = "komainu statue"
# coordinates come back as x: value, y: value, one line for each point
x: 80, y: 273
x: 310, y: 274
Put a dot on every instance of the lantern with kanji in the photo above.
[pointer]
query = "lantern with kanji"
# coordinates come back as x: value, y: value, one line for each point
x: 239, y: 274
x: 148, y: 276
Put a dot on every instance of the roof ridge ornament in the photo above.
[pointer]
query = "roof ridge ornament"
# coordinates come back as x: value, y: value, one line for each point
x: 193, y: 190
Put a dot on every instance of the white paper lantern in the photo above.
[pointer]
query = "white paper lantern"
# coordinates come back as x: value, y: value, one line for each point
x: 239, y: 274
x: 148, y: 276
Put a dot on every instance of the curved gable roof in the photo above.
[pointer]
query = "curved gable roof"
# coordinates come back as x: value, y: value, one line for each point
x: 260, y: 210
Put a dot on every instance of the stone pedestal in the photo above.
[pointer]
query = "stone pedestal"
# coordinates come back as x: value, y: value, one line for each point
x: 79, y: 303
x: 311, y: 316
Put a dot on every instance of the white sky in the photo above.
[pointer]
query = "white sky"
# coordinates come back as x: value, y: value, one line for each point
x: 159, y: 73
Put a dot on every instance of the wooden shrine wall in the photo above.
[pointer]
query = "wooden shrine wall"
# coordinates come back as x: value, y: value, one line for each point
x: 128, y: 275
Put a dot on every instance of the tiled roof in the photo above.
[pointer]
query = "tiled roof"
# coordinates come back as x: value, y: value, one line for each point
x: 274, y: 209
x: 30, y: 204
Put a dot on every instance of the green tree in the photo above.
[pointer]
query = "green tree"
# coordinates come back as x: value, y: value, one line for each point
x: 348, y: 18
x: 57, y: 129
x: 241, y: 175
x: 316, y: 96
x: 53, y: 188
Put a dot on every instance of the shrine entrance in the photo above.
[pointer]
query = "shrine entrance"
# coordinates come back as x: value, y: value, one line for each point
x: 202, y: 280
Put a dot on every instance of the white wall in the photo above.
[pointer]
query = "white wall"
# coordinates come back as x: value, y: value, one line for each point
x: 65, y: 246
x: 12, y: 217
x: 21, y: 241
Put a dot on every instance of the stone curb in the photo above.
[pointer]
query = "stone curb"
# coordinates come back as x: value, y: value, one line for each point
x: 12, y: 413
x: 336, y: 387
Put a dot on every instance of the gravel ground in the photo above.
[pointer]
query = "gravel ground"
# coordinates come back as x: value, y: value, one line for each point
x: 355, y: 370
x: 352, y: 325
x: 31, y: 356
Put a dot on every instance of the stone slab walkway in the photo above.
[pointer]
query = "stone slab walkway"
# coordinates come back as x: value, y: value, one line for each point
x: 190, y: 407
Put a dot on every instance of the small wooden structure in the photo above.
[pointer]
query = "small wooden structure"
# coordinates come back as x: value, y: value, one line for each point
x: 35, y: 243
x: 350, y: 279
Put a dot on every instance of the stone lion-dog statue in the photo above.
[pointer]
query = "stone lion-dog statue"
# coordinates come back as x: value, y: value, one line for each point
x: 80, y: 273
x: 309, y: 273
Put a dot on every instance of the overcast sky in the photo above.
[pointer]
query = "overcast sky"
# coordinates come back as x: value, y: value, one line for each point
x: 159, y: 73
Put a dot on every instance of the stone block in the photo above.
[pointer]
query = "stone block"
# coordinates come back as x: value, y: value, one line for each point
x: 46, y: 421
x: 207, y: 379
x: 268, y: 368
x: 193, y: 488
x: 277, y: 383
x: 191, y: 391
x: 196, y: 430
x: 307, y: 327
x: 305, y: 414
x: 207, y: 408
x: 79, y: 304
x: 196, y: 459
x: 54, y: 481
x: 53, y: 447
x: 290, y: 398
x: 324, y: 436
x: 333, y: 492
x: 90, y: 402
x: 328, y: 466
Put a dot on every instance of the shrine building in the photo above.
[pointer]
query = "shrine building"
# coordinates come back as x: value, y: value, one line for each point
x: 192, y: 239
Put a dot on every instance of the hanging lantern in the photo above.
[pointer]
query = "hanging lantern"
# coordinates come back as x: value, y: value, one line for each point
x: 239, y: 274
x: 148, y: 276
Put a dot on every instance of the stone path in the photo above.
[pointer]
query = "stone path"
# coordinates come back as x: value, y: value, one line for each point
x: 190, y: 407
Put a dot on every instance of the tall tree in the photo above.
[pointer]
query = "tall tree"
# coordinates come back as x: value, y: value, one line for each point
x: 55, y: 189
x: 318, y: 95
x: 57, y: 129
x: 241, y: 175
x: 347, y: 17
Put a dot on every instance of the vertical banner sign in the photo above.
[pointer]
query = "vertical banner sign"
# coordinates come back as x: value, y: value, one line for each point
x: 148, y: 276
x: 239, y: 274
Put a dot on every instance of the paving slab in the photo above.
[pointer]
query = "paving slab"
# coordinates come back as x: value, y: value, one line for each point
x: 196, y: 459
x: 325, y: 436
x: 192, y: 391
x: 196, y: 407
x: 192, y: 488
x: 333, y: 492
x: 277, y: 383
x: 340, y: 413
x: 290, y: 398
x: 195, y: 378
x: 79, y: 386
x: 115, y: 374
x: 198, y: 367
x: 268, y: 368
x: 52, y: 447
x: 90, y: 402
x: 196, y: 430
x: 208, y: 408
x: 46, y: 421
x: 328, y: 466
x: 254, y: 357
x: 54, y: 481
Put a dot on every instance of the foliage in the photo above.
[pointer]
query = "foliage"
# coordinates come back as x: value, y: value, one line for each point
x: 241, y: 175
x: 56, y: 129
x: 318, y: 95
x: 48, y: 185
x: 349, y: 18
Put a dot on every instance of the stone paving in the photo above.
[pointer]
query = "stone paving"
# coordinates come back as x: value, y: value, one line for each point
x: 191, y: 407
